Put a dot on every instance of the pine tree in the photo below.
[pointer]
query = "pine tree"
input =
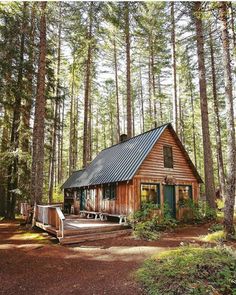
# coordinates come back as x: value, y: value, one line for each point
x: 231, y: 152
x: 39, y: 117
x: 208, y: 162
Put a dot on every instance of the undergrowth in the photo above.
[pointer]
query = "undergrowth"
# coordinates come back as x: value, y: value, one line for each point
x: 190, y: 271
x: 149, y: 226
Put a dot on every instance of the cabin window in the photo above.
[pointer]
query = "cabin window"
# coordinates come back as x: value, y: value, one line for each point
x: 78, y: 194
x: 168, y: 156
x: 185, y: 192
x: 109, y: 191
x: 150, y: 193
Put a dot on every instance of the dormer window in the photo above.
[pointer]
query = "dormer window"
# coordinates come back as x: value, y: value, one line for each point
x: 168, y: 156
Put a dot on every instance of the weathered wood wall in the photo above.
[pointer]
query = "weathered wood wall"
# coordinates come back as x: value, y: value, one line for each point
x: 153, y: 165
x: 151, y: 171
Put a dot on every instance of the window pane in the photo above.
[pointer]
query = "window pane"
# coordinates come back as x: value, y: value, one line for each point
x: 109, y: 191
x: 113, y: 191
x: 168, y: 156
x: 185, y: 192
x: 150, y: 193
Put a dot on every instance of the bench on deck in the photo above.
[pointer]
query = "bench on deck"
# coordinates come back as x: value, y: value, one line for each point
x: 89, y: 213
x: 103, y: 215
x: 122, y: 218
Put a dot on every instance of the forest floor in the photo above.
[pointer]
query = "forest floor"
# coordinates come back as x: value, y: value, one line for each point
x: 32, y: 262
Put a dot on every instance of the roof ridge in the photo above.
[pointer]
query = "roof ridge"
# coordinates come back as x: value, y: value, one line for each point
x: 136, y: 136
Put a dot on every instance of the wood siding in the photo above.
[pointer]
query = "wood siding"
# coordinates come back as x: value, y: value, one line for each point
x: 153, y: 165
x: 128, y: 199
x: 122, y: 204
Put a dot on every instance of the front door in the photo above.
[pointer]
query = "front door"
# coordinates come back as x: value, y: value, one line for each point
x: 82, y: 199
x: 169, y: 199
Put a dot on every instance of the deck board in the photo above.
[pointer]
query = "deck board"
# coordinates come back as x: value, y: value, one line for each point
x: 79, y: 227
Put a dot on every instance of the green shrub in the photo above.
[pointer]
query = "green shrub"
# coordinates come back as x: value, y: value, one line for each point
x: 144, y: 213
x: 201, y: 212
x: 147, y: 228
x: 146, y: 231
x: 215, y: 227
x: 190, y: 271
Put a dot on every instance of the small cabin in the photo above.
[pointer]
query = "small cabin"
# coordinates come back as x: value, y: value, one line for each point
x: 150, y: 167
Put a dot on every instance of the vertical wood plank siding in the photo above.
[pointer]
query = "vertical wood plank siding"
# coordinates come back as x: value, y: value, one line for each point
x: 151, y: 171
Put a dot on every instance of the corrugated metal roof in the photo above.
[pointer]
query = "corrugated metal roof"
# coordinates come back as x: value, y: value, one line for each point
x: 119, y: 162
x: 69, y: 183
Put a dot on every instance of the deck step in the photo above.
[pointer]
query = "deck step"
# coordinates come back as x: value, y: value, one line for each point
x: 94, y: 236
x: 88, y: 230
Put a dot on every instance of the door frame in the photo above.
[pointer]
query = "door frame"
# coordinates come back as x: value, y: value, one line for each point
x: 174, y: 198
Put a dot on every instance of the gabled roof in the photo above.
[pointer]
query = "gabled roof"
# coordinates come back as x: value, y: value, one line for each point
x: 120, y: 162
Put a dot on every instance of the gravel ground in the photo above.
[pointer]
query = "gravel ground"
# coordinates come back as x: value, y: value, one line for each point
x: 33, y: 263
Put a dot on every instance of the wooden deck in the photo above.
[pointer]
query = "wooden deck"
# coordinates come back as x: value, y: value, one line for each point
x: 78, y: 229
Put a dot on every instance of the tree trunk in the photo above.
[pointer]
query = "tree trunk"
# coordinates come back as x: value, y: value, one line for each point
x: 56, y: 118
x: 232, y: 23
x: 61, y: 174
x: 87, y: 91
x: 128, y: 74
x: 231, y: 156
x: 208, y: 162
x: 38, y: 131
x: 27, y: 108
x: 149, y: 89
x: 190, y: 78
x: 12, y: 182
x: 141, y: 98
x: 217, y: 121
x: 160, y: 99
x: 71, y: 119
x: 117, y: 91
x: 175, y: 106
x: 153, y: 86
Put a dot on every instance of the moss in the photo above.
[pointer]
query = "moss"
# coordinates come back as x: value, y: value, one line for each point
x: 190, y: 270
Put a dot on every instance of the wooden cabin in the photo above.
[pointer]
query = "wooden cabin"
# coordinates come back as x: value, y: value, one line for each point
x: 153, y: 166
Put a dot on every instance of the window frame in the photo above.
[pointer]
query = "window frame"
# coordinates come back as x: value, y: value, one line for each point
x: 191, y: 191
x: 158, y: 191
x: 167, y: 158
x: 112, y: 191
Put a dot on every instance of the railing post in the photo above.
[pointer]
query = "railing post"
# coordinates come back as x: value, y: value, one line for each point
x: 43, y: 215
x: 62, y: 228
x: 35, y: 215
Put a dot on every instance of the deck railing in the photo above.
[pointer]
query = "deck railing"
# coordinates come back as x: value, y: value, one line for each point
x: 50, y: 215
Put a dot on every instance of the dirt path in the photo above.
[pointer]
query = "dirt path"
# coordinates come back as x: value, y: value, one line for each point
x: 31, y: 263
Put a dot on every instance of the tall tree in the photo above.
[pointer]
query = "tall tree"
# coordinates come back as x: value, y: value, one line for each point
x: 128, y: 70
x: 39, y: 117
x: 175, y: 106
x: 117, y: 89
x: 56, y: 115
x: 13, y: 168
x: 217, y: 120
x: 86, y: 133
x: 208, y: 161
x: 231, y: 151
